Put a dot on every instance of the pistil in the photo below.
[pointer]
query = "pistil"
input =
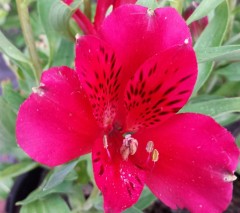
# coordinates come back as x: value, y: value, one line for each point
x: 129, y: 146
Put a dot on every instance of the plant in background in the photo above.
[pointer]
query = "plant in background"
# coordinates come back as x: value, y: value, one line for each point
x: 198, y: 26
x: 127, y: 101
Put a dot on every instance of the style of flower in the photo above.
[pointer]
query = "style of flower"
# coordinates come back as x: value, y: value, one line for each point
x: 120, y: 103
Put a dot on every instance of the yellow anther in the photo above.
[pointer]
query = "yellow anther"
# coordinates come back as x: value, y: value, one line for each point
x: 155, y: 156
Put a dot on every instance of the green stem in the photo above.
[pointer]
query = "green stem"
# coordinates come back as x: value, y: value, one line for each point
x: 89, y: 203
x: 23, y: 14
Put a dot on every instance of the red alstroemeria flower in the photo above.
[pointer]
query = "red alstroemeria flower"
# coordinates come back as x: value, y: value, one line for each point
x: 121, y: 104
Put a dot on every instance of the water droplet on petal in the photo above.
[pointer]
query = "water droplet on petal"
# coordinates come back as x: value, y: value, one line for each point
x: 186, y: 41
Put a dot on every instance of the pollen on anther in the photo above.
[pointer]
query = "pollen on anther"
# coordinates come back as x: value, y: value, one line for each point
x: 155, y: 155
x: 150, y: 146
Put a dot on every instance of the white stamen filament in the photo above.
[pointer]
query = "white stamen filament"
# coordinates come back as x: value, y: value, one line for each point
x: 105, y: 145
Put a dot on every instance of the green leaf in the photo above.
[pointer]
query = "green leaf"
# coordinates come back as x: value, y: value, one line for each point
x: 22, y: 62
x: 132, y: 210
x: 12, y: 97
x: 50, y: 204
x: 7, y: 48
x: 203, y: 9
x: 214, y: 108
x: 228, y: 89
x: 146, y: 199
x: 227, y: 119
x: 5, y: 187
x: 230, y: 72
x: 59, y: 16
x: 82, y: 173
x: 65, y: 54
x: 177, y: 4
x: 7, y: 126
x: 44, y: 9
x: 11, y: 51
x: 59, y: 174
x: 212, y: 36
x: 152, y: 4
x: 37, y: 194
x: 17, y: 169
x: 226, y: 53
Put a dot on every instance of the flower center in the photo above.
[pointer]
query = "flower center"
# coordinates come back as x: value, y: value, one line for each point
x: 129, y: 146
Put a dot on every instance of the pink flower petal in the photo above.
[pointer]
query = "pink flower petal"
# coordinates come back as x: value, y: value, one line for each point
x: 197, y: 158
x: 160, y: 87
x: 100, y: 74
x: 120, y: 182
x: 136, y: 33
x: 55, y: 124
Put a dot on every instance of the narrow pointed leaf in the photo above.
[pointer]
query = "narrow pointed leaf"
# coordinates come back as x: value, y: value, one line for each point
x: 44, y: 8
x: 40, y: 194
x: 50, y: 204
x: 59, y: 174
x: 11, y: 51
x: 227, y: 53
x: 7, y: 126
x: 231, y: 72
x: 59, y: 17
x: 145, y: 200
x: 65, y: 54
x: 214, y: 108
x: 12, y: 97
x: 212, y: 36
x: 133, y: 210
x: 203, y: 9
x: 152, y: 4
x: 17, y: 169
x: 19, y: 59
